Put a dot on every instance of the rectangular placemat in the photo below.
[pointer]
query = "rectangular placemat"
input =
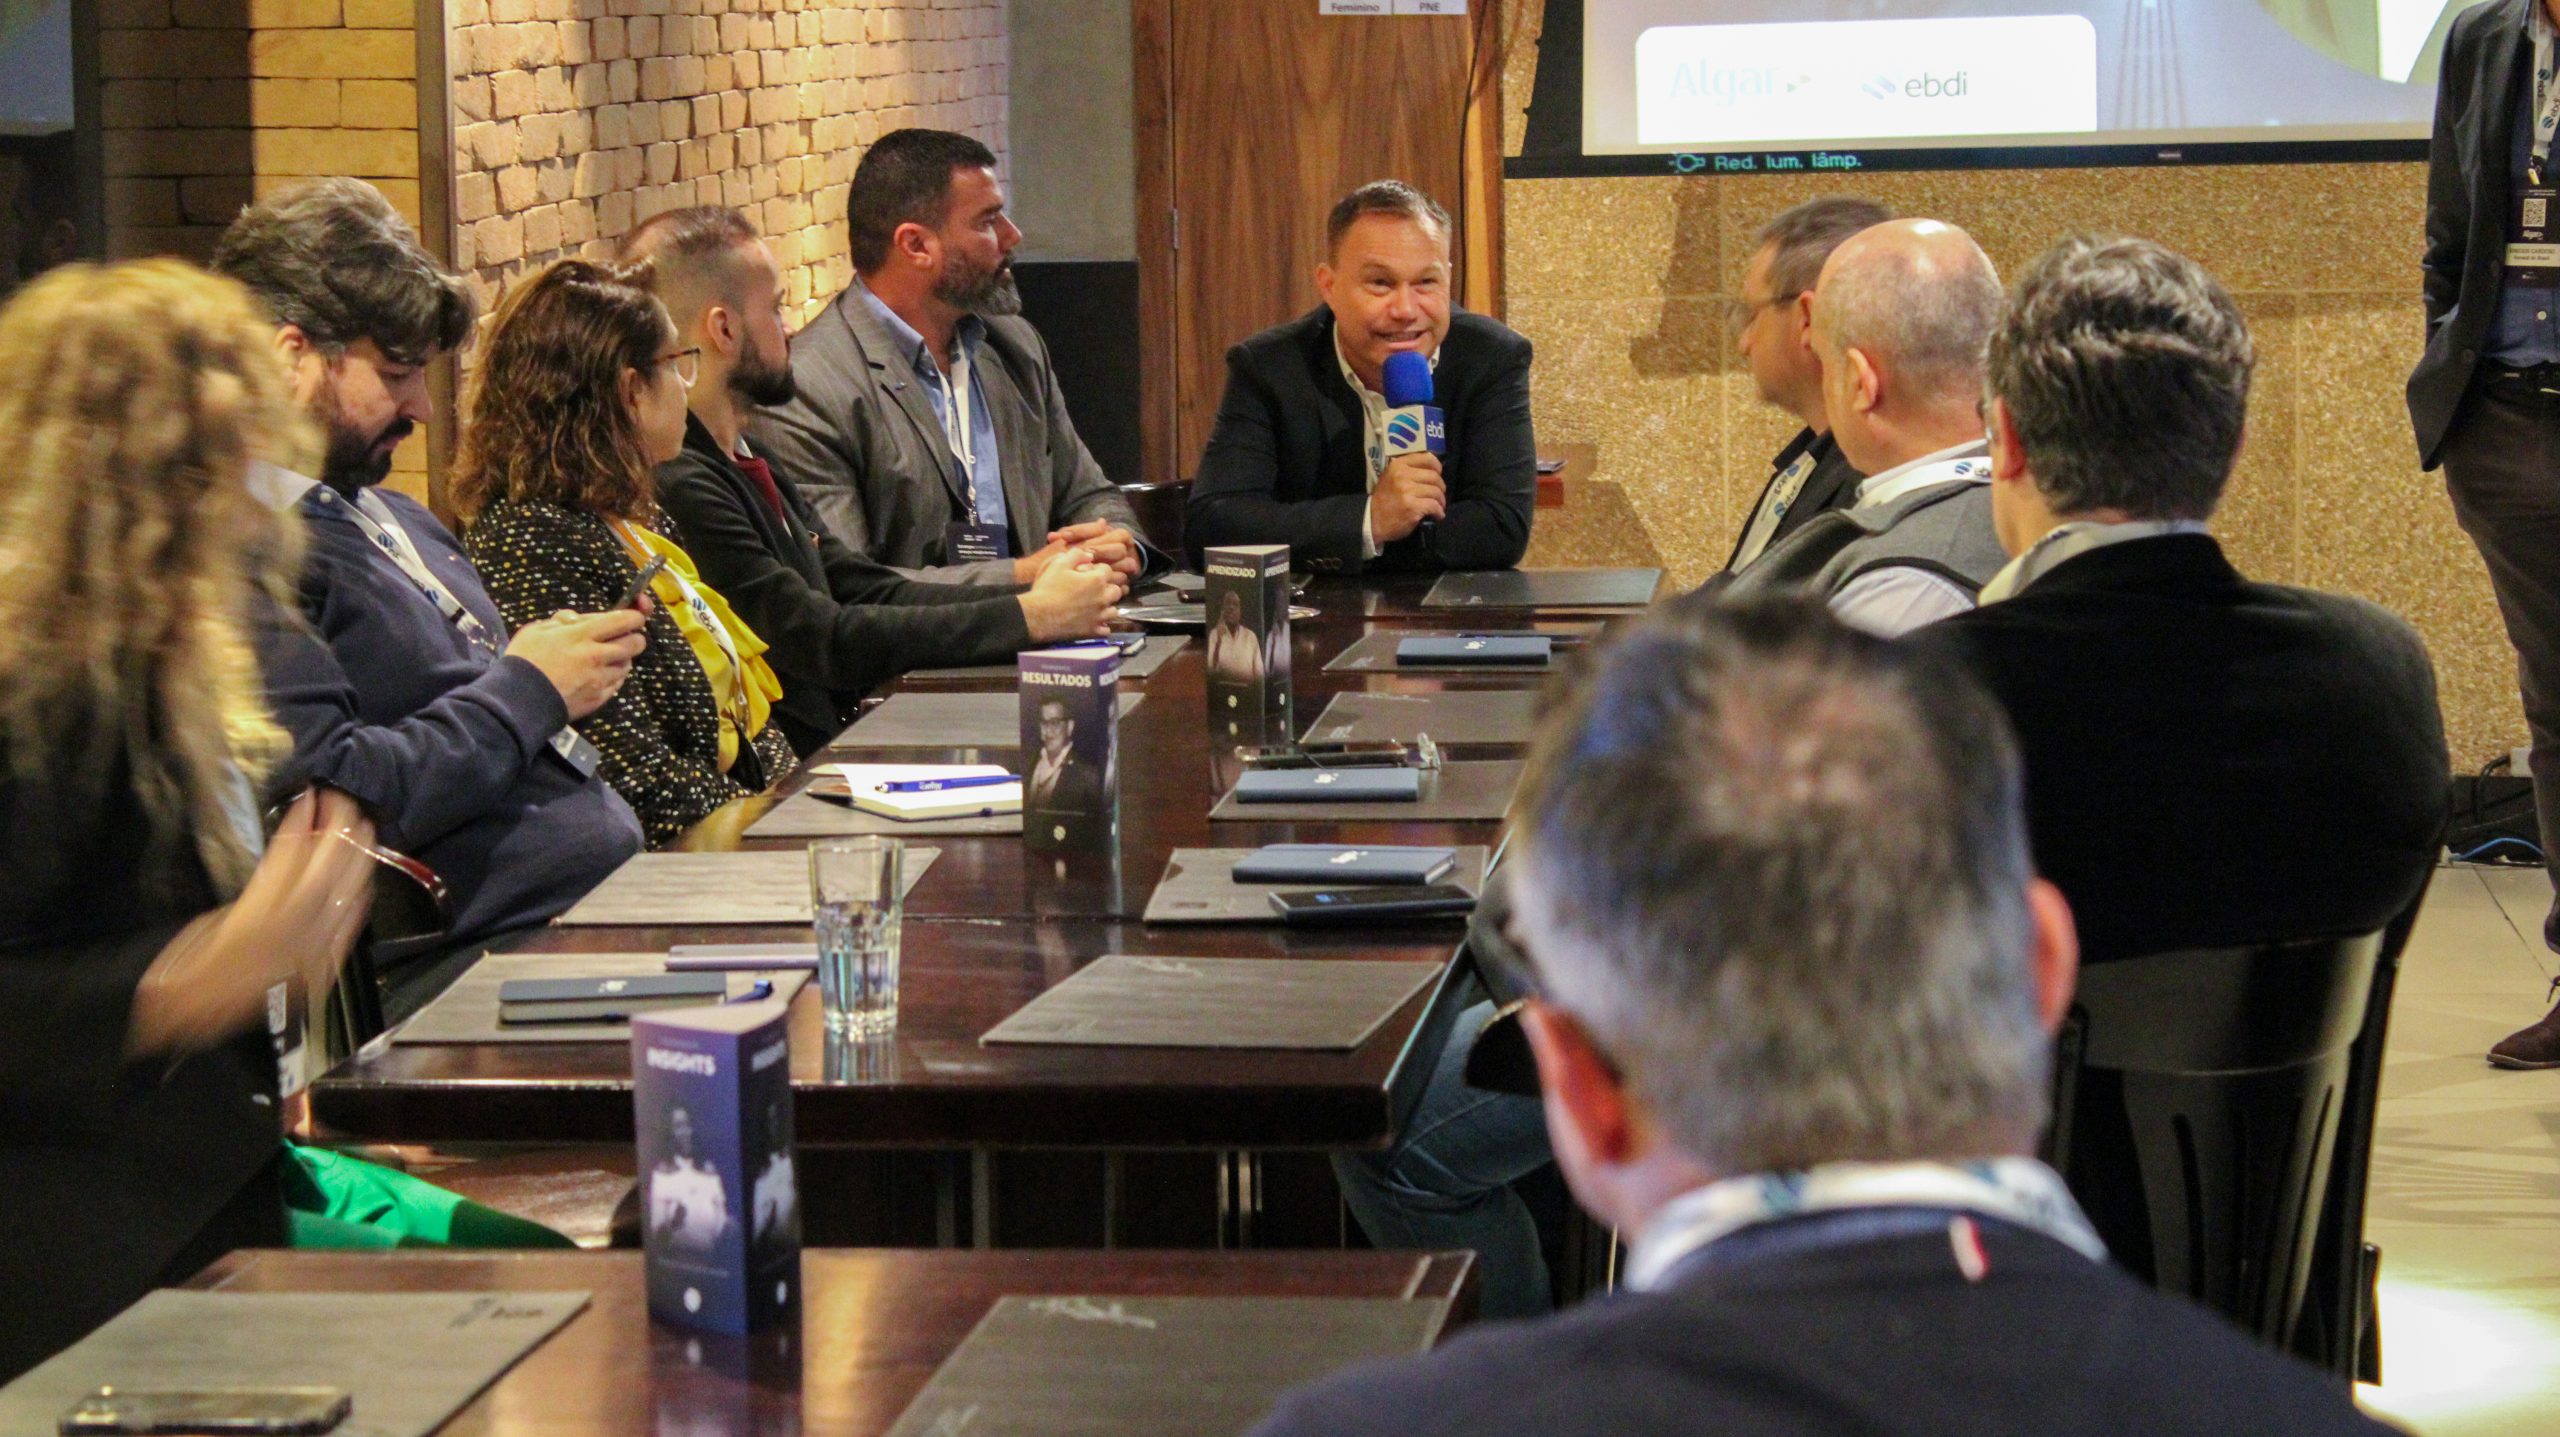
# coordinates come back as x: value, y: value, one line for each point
x: 1545, y: 589
x: 1452, y: 793
x: 805, y: 815
x: 673, y: 889
x: 1451, y: 716
x: 1119, y: 1001
x: 947, y: 721
x: 1375, y: 653
x: 1199, y: 886
x: 410, y: 1360
x: 1150, y: 657
x: 1103, y: 1366
x: 467, y: 1012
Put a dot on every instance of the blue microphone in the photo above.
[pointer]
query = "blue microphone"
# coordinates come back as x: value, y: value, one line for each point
x: 1413, y: 424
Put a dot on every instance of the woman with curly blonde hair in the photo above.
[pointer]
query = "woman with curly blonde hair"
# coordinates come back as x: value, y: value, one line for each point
x: 579, y: 396
x: 148, y: 927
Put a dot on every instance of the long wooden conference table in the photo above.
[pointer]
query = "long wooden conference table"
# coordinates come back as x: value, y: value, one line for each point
x: 989, y: 927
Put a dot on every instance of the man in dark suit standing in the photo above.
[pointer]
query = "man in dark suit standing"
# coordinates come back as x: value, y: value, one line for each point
x: 2485, y: 397
x: 1772, y: 326
x: 927, y: 430
x: 1298, y: 454
x: 1804, y: 1095
x: 2210, y: 761
x: 839, y: 624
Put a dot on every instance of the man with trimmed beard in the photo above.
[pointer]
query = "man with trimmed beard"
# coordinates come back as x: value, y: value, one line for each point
x: 928, y: 431
x: 400, y: 684
x: 839, y: 624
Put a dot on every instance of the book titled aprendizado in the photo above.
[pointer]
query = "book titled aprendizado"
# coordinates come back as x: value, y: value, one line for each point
x: 1071, y: 750
x: 1246, y: 604
x: 719, y: 1193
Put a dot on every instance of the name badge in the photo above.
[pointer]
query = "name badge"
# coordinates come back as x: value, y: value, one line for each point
x: 2533, y: 246
x: 573, y: 748
x: 976, y: 543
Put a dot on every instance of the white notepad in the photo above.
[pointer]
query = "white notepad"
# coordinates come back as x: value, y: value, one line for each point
x: 861, y: 782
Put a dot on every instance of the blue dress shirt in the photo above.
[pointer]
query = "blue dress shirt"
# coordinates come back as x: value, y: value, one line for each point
x: 2526, y: 329
x: 986, y: 478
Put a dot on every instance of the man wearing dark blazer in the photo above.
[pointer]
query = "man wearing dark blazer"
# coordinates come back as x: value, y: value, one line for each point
x: 1298, y: 455
x: 2485, y: 397
x: 1772, y: 325
x: 2210, y: 761
x: 1807, y: 1107
x: 838, y: 623
x: 927, y: 429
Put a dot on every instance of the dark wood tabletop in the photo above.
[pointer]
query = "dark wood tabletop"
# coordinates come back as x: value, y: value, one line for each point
x: 874, y: 1327
x: 990, y: 926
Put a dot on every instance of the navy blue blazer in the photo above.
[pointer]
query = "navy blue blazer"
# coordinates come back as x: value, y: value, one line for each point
x: 1885, y: 1338
x: 449, y: 753
x: 1288, y: 461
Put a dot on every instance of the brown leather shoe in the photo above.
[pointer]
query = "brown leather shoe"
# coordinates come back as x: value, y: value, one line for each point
x: 2534, y: 1047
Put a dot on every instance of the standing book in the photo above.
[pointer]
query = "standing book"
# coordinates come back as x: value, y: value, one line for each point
x: 1071, y: 751
x: 1247, y: 606
x: 720, y: 1200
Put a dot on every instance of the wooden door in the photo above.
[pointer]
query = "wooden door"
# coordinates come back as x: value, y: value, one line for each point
x: 1275, y: 111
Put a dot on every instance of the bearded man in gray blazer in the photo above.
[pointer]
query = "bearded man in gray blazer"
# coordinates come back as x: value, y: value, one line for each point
x: 928, y: 431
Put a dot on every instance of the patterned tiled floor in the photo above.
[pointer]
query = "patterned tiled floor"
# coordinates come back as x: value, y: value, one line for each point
x: 2466, y: 1175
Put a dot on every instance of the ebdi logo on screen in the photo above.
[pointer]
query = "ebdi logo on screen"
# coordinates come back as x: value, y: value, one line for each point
x: 1864, y: 80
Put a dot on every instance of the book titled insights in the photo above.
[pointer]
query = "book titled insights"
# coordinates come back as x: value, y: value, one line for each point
x: 720, y: 1199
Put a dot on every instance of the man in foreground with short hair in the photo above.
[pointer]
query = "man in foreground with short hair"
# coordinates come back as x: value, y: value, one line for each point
x: 2210, y: 761
x: 838, y: 624
x: 402, y: 687
x: 1807, y: 1097
x: 1299, y: 454
x: 928, y: 431
x: 1772, y: 326
x: 1899, y: 320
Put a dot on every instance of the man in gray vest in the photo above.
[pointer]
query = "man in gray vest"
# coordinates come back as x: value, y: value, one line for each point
x: 1900, y: 317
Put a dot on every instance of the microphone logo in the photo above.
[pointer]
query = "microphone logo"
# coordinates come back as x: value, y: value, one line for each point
x: 1404, y: 431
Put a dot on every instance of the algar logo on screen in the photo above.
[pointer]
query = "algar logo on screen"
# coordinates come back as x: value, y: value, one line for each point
x: 1727, y: 85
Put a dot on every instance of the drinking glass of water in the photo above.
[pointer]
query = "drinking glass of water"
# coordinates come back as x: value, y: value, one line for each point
x: 858, y: 897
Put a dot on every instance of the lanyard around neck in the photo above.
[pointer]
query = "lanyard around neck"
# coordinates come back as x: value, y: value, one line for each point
x: 381, y: 528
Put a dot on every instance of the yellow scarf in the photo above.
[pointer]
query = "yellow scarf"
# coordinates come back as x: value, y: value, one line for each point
x: 745, y: 701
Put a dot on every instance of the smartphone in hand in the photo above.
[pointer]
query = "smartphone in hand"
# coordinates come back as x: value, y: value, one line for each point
x: 641, y: 581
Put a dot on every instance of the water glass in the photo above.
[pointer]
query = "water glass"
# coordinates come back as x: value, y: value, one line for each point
x: 857, y: 896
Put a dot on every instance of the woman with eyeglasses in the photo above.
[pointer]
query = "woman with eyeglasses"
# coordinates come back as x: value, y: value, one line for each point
x: 579, y: 396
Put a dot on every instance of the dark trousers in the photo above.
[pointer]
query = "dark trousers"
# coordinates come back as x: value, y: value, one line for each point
x: 2502, y: 467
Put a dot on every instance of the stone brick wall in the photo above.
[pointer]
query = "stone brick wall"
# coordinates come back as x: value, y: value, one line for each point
x: 205, y: 103
x: 576, y: 119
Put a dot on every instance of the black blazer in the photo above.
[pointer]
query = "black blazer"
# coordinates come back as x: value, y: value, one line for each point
x: 2211, y: 761
x: 2488, y: 62
x: 1882, y: 1338
x: 839, y: 624
x: 1288, y: 464
x: 1833, y: 484
x: 113, y: 1176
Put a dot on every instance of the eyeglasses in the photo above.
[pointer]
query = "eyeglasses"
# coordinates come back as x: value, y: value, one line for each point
x: 1738, y: 313
x: 687, y: 362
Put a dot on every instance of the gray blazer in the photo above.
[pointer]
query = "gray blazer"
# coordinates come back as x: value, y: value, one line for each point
x: 866, y: 450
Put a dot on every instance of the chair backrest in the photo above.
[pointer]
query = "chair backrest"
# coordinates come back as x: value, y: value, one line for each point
x: 409, y: 918
x: 2201, y: 1116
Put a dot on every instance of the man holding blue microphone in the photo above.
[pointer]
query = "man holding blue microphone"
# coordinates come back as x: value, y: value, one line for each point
x: 1386, y: 429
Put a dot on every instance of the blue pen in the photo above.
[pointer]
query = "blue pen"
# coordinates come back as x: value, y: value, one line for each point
x: 937, y: 785
x: 1125, y: 643
x: 757, y: 992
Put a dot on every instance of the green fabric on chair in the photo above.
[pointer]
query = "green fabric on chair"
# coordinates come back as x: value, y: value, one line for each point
x: 335, y: 1201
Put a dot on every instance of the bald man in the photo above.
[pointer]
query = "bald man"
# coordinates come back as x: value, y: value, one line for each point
x: 1900, y: 316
